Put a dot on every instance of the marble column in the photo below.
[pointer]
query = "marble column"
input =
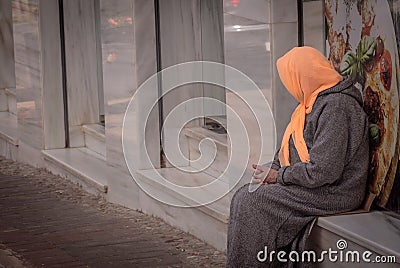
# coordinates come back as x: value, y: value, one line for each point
x: 52, y: 88
x: 7, y: 71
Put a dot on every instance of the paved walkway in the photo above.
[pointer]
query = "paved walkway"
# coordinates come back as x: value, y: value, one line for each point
x: 46, y: 221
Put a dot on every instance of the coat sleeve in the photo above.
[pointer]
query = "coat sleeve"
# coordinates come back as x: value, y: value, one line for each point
x: 328, y: 153
x: 274, y: 164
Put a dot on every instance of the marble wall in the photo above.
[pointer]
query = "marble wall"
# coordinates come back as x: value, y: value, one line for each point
x: 51, y: 82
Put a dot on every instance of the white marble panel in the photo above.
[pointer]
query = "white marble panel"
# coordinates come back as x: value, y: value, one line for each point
x: 76, y: 137
x: 52, y: 88
x: 219, y: 164
x: 123, y: 190
x: 322, y: 239
x: 9, y: 128
x: 8, y: 135
x: 256, y: 138
x: 95, y: 139
x: 7, y: 72
x: 8, y: 150
x: 361, y: 229
x: 81, y: 62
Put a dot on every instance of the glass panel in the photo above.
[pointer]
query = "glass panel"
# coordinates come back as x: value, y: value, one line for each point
x: 248, y: 49
x: 117, y: 42
x: 247, y: 39
x: 28, y: 70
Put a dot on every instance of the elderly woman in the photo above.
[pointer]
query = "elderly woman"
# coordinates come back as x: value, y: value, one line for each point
x: 320, y: 169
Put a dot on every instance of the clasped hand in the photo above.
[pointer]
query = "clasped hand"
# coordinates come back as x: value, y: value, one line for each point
x: 264, y: 175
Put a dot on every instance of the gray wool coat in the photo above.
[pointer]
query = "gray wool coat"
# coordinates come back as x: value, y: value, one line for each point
x: 334, y: 181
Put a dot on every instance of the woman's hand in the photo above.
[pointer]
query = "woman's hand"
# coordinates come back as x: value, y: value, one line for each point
x: 264, y: 175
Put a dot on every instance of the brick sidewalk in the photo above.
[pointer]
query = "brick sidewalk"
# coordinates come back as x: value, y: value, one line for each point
x: 47, y: 221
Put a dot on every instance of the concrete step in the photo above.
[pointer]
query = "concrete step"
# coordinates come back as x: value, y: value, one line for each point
x: 80, y: 167
x: 95, y: 139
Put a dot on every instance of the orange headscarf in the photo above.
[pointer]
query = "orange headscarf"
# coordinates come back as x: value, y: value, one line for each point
x: 305, y: 72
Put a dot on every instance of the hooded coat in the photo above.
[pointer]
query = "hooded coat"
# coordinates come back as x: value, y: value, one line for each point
x: 276, y: 215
